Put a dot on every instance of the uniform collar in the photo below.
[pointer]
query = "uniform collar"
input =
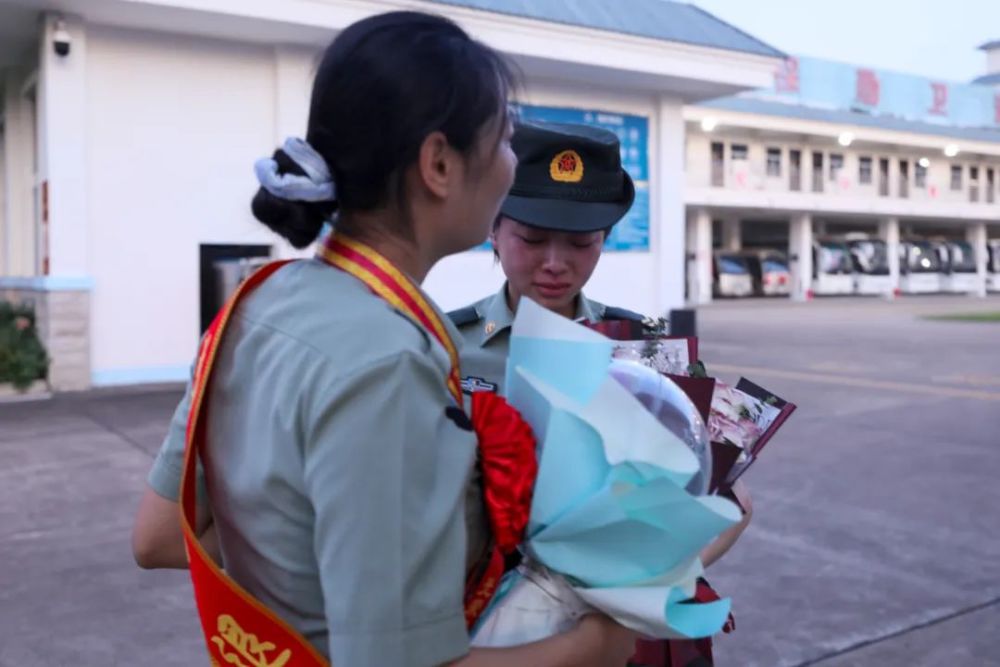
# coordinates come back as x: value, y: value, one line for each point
x: 496, y: 315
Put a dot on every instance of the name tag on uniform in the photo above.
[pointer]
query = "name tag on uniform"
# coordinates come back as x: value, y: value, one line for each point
x: 472, y: 384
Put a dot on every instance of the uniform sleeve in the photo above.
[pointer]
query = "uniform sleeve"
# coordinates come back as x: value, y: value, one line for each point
x: 165, y: 475
x: 386, y: 470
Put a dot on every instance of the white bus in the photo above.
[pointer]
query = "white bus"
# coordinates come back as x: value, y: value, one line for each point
x: 871, y: 266
x: 732, y: 275
x: 993, y: 265
x: 833, y: 272
x: 919, y: 268
x: 958, y: 266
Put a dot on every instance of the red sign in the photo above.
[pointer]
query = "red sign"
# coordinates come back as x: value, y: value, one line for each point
x: 867, y: 88
x: 940, y: 104
x: 786, y: 78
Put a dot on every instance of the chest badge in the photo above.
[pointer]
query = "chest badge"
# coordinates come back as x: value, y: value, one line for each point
x: 490, y: 327
x: 471, y: 385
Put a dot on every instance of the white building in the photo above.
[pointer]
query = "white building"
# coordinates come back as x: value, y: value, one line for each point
x: 828, y: 149
x: 129, y: 129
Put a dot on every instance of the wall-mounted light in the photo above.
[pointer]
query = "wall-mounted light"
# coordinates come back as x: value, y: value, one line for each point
x: 708, y: 123
x: 951, y: 150
x: 845, y: 139
x: 924, y: 162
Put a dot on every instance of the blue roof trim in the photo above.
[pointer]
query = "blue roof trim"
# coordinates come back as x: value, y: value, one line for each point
x: 842, y: 117
x: 656, y: 19
x: 48, y: 283
x: 987, y: 79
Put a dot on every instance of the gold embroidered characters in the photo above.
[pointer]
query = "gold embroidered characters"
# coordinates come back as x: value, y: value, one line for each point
x: 245, y: 646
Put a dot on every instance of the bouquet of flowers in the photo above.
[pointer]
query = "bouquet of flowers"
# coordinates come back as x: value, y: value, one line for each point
x: 741, y: 418
x: 619, y: 514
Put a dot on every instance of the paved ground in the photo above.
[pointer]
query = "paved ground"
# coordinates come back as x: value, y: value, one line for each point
x: 874, y: 542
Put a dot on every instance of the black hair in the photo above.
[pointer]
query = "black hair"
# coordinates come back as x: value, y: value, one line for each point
x: 383, y: 85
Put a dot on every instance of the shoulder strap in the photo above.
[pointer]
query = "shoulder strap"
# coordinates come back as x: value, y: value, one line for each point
x: 612, y: 313
x: 238, y: 628
x: 463, y: 316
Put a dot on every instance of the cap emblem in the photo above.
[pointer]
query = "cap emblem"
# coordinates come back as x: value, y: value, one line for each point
x: 566, y: 167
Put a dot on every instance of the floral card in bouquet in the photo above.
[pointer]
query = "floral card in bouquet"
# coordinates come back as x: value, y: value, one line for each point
x: 648, y: 343
x: 747, y: 416
x: 741, y: 419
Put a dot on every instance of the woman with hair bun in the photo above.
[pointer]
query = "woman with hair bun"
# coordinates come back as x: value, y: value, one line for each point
x: 339, y: 463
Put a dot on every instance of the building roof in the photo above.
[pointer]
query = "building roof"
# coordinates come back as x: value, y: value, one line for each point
x: 845, y: 117
x: 992, y: 44
x: 988, y: 79
x: 656, y: 19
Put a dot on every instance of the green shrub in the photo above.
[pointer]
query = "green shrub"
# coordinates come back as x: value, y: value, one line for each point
x: 22, y: 355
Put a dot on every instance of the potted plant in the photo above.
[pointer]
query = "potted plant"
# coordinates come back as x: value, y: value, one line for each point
x: 24, y: 363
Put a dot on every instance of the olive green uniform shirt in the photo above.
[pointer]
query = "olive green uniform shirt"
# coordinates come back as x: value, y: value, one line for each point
x: 340, y: 484
x: 485, y: 330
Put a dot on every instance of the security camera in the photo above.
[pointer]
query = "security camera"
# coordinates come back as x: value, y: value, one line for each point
x: 61, y: 39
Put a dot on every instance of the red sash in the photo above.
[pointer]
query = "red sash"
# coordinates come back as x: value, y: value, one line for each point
x: 239, y: 629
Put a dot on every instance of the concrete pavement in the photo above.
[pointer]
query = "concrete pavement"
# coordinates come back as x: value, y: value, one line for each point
x: 874, y: 540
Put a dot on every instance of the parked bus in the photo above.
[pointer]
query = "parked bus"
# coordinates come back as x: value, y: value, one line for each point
x: 958, y: 266
x: 833, y: 272
x: 871, y: 266
x: 919, y: 268
x: 731, y: 274
x: 993, y: 265
x: 769, y: 271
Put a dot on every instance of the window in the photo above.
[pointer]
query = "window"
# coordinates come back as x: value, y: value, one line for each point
x: 956, y: 177
x: 883, y: 177
x: 738, y: 152
x: 904, y: 178
x: 989, y: 185
x: 836, y: 165
x: 817, y: 172
x: 795, y: 170
x: 973, y: 184
x: 774, y: 162
x: 718, y: 157
x: 865, y: 171
x: 920, y: 176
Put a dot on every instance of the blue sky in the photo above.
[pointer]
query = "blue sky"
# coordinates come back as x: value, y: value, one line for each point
x: 932, y: 38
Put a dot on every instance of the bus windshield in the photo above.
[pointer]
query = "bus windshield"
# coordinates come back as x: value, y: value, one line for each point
x: 732, y: 265
x: 774, y: 265
x: 834, y: 258
x: 994, y: 260
x: 870, y: 257
x: 963, y: 259
x: 923, y: 258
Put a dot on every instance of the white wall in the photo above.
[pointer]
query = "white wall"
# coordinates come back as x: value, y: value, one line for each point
x: 174, y: 125
x: 624, y: 279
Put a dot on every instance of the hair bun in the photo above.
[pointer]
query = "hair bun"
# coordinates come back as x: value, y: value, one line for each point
x: 297, y: 221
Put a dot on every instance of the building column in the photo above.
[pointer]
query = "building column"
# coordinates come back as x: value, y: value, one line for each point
x: 668, y: 217
x: 3, y: 199
x: 62, y: 153
x: 888, y: 229
x: 17, y: 245
x: 699, y: 246
x: 800, y: 246
x: 977, y: 236
x: 732, y: 235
